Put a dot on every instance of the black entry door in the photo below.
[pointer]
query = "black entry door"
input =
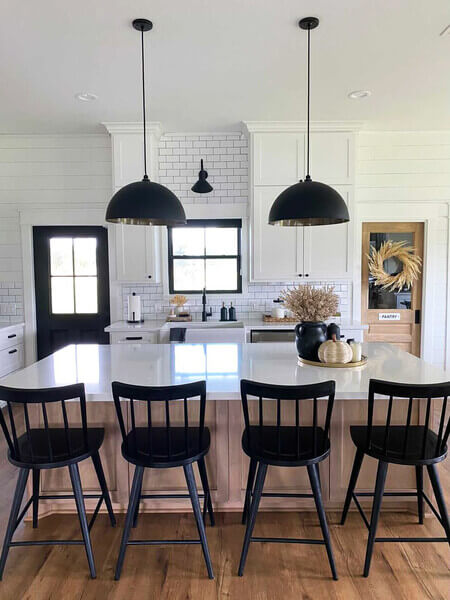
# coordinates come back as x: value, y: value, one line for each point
x: 72, y: 286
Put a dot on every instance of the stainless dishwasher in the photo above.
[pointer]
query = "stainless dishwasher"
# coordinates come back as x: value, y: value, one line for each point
x: 271, y: 335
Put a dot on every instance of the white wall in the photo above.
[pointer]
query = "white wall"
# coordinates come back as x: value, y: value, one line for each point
x: 410, y: 169
x: 43, y: 171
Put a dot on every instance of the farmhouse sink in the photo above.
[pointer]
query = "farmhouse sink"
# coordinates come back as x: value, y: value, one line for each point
x: 201, y: 332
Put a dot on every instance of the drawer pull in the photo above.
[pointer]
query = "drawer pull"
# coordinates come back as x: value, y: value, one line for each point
x: 12, y: 351
x: 12, y: 335
x: 130, y: 337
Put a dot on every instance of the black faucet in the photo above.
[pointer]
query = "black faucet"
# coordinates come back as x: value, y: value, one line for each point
x: 205, y: 314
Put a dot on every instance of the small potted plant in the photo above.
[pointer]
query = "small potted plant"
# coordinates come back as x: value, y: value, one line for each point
x: 178, y: 301
x: 311, y: 306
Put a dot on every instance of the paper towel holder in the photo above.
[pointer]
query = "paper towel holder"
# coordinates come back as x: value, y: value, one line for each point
x: 134, y: 312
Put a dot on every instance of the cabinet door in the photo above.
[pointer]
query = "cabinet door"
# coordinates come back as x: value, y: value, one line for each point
x: 277, y: 252
x: 136, y: 252
x: 326, y: 247
x: 332, y: 157
x: 278, y: 158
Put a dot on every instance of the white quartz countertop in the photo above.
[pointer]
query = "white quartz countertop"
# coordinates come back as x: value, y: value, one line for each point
x: 155, y: 325
x: 8, y: 325
x: 221, y: 365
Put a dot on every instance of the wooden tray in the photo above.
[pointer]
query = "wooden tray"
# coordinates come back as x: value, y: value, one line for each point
x: 270, y: 319
x: 179, y: 319
x: 313, y: 363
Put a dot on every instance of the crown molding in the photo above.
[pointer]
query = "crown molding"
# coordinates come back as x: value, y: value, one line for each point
x: 299, y: 126
x: 114, y: 128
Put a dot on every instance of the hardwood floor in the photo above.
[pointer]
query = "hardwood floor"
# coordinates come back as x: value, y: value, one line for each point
x: 273, y: 571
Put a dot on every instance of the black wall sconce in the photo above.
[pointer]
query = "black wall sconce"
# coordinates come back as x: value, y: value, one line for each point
x: 202, y: 186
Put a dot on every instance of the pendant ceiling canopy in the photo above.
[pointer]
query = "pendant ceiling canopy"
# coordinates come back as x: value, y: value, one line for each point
x: 145, y: 202
x: 308, y: 202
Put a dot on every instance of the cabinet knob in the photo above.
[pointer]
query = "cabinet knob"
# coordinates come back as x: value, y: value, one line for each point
x: 306, y: 274
x: 149, y: 276
x: 300, y: 274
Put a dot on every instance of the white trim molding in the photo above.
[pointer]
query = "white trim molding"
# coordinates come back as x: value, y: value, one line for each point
x: 299, y: 126
x: 151, y: 127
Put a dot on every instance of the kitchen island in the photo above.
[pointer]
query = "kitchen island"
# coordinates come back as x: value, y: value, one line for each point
x: 222, y: 366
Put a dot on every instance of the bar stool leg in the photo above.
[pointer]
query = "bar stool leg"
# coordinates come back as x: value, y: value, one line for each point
x: 102, y: 481
x: 190, y: 480
x: 378, y: 497
x: 315, y: 486
x: 136, y: 511
x: 36, y: 478
x: 352, y: 484
x: 259, y: 485
x: 78, y: 493
x: 249, y: 489
x: 206, y: 490
x: 419, y: 480
x: 135, y: 492
x: 434, y: 477
x: 17, y: 501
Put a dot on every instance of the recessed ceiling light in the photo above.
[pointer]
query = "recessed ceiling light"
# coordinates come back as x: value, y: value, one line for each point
x: 359, y: 94
x: 86, y: 97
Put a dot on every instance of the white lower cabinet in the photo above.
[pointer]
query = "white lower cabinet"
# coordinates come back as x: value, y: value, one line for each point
x: 148, y: 337
x: 137, y: 253
x: 11, y: 349
x: 296, y: 253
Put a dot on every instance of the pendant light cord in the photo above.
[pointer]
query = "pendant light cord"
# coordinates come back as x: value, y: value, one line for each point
x: 308, y: 105
x: 143, y: 103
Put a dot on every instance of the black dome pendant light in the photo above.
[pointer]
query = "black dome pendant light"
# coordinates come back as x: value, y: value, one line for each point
x: 308, y: 202
x: 145, y: 202
x: 202, y: 186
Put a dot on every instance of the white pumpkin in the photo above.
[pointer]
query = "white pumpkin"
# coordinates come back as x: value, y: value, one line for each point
x: 332, y: 351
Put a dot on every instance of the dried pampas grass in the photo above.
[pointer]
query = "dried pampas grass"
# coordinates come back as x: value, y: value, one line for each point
x: 405, y: 254
x: 311, y: 304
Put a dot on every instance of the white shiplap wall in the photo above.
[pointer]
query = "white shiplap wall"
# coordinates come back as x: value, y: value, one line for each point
x: 412, y: 168
x: 42, y: 171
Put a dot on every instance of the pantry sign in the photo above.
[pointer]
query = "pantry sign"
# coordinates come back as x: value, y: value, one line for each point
x: 389, y: 316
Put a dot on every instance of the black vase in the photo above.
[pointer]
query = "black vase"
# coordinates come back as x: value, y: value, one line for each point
x: 308, y: 337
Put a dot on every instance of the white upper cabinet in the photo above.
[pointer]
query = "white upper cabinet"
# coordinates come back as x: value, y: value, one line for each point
x: 332, y: 157
x: 138, y: 256
x: 278, y: 158
x: 327, y: 247
x: 277, y: 252
x: 137, y: 252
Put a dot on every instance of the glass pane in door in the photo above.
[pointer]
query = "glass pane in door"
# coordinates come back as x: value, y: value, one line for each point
x: 385, y: 299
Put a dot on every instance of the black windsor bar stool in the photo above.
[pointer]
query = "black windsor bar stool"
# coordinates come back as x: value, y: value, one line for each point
x: 285, y: 445
x: 50, y: 447
x: 408, y: 444
x: 163, y: 447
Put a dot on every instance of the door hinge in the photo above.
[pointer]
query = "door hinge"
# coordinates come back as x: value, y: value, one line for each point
x: 417, y: 317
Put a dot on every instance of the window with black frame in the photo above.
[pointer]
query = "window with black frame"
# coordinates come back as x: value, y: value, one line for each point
x: 206, y: 254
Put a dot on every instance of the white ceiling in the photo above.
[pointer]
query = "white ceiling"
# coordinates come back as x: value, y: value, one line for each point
x: 214, y: 63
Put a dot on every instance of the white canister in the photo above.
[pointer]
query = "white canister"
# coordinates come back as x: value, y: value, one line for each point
x: 357, y: 351
x: 278, y: 312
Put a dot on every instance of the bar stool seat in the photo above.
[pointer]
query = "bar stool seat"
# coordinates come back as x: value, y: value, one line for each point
x: 186, y: 446
x: 281, y: 446
x: 34, y: 447
x: 405, y: 445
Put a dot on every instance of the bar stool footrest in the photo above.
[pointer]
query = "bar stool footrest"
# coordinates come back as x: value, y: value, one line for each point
x: 160, y: 542
x: 281, y: 540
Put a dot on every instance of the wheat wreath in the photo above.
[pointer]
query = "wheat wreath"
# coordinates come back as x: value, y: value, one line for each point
x: 405, y: 254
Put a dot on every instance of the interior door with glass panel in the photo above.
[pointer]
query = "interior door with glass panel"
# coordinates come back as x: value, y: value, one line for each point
x: 71, y: 286
x: 393, y: 316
